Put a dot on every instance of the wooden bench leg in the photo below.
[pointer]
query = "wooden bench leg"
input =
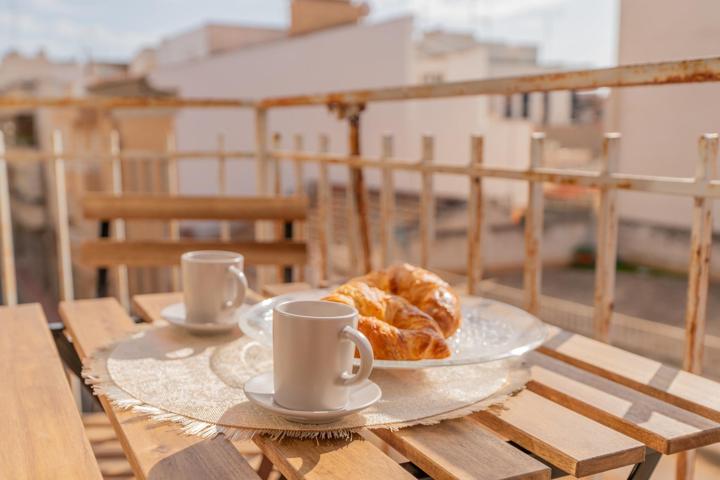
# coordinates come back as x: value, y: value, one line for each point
x: 265, y: 468
x: 643, y: 471
x: 101, y: 286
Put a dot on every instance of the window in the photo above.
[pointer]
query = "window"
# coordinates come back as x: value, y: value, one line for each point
x: 508, y: 106
x: 19, y: 130
x: 546, y: 108
x: 525, y: 105
x: 433, y: 77
x: 574, y: 107
x: 25, y: 130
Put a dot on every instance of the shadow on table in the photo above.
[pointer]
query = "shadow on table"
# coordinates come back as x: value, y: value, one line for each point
x: 214, y: 458
x: 168, y: 343
x: 305, y: 455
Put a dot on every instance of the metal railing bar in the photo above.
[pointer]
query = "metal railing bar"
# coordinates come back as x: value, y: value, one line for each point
x: 680, y: 186
x: 18, y: 101
x: 130, y: 156
x: 661, y: 73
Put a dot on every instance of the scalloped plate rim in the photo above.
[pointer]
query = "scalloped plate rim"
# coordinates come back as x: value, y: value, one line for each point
x: 539, y: 336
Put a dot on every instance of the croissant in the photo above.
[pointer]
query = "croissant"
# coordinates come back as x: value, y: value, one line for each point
x: 405, y: 312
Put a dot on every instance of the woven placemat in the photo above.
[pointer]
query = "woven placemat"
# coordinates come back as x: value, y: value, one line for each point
x: 197, y: 382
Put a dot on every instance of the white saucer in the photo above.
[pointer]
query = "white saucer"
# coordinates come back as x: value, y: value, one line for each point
x: 259, y: 390
x: 175, y: 314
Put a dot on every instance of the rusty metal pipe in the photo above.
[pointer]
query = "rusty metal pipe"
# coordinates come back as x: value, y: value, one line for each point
x: 358, y: 185
x: 686, y: 71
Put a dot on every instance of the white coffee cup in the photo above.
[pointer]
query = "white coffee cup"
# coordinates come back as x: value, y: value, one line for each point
x: 313, y: 347
x: 214, y: 285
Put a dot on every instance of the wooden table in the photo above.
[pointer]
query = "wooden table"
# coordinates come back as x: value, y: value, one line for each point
x: 589, y: 408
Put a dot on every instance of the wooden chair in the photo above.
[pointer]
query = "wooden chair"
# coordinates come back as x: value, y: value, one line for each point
x: 106, y: 252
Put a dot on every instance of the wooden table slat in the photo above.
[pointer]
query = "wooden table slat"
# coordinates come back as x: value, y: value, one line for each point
x: 275, y: 289
x: 562, y: 437
x: 660, y: 425
x: 157, y: 451
x: 463, y: 449
x: 43, y: 434
x: 330, y: 459
x: 148, y: 306
x: 681, y: 388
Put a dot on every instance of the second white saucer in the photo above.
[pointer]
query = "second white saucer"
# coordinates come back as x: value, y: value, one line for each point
x: 176, y: 315
x: 260, y: 389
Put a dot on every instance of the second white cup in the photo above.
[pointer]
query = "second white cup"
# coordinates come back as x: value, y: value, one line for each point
x: 313, y: 347
x: 214, y: 285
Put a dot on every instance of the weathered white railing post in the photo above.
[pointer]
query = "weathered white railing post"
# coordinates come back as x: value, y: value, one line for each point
x: 427, y: 202
x: 325, y: 213
x: 298, y: 227
x: 116, y: 185
x: 222, y: 184
x: 475, y: 218
x: 387, y: 204
x: 9, y: 284
x: 62, y: 221
x: 607, y: 237
x: 276, y: 145
x: 698, y: 277
x: 701, y: 240
x: 263, y: 229
x: 299, y: 146
x: 173, y: 187
x: 533, y: 228
x: 261, y: 157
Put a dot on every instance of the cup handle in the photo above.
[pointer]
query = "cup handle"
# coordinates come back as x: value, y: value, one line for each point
x: 366, y: 356
x: 241, y: 287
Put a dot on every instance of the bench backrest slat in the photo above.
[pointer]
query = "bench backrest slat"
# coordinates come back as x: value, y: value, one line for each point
x: 164, y: 207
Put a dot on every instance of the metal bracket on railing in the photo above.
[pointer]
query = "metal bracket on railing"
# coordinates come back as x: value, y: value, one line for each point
x: 350, y: 111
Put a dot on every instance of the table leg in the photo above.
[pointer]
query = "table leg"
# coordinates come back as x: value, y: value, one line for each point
x: 643, y: 471
x: 265, y: 468
x: 101, y: 287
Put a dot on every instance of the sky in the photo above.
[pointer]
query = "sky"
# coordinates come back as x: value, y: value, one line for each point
x: 574, y: 32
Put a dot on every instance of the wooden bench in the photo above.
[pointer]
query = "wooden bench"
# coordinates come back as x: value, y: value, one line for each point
x: 139, y: 253
x: 42, y: 432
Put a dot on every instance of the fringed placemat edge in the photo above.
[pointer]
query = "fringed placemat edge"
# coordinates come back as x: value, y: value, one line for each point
x: 96, y: 375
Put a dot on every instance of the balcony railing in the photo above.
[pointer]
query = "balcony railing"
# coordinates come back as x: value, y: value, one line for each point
x: 349, y: 106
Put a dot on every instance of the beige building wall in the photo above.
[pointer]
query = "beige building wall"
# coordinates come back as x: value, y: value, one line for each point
x: 661, y: 125
x: 211, y: 39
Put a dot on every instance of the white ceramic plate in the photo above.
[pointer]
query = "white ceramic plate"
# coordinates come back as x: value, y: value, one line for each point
x: 259, y: 390
x: 490, y: 331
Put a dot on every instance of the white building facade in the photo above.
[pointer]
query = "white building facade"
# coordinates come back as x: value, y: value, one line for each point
x: 356, y: 57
